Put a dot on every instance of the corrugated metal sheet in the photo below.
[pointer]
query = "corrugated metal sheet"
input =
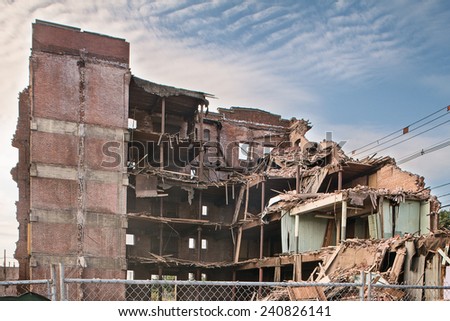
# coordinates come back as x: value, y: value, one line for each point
x: 447, y: 283
x: 414, y: 270
x: 432, y: 276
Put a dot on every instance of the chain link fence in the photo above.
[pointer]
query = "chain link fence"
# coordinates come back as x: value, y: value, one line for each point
x: 44, y: 288
x: 164, y: 290
x: 173, y: 290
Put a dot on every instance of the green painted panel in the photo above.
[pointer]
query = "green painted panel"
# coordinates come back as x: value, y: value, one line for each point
x: 387, y: 219
x: 311, y: 233
x: 287, y: 232
x: 408, y: 218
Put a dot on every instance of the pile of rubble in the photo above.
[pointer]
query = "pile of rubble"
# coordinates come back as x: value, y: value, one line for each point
x: 385, y: 262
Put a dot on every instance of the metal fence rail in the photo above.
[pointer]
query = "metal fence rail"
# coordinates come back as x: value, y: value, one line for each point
x: 165, y: 290
x: 14, y: 288
x: 173, y: 290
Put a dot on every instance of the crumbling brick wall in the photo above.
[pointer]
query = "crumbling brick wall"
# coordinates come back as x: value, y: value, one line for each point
x: 71, y: 207
x: 393, y: 178
x: 20, y: 174
x: 253, y: 115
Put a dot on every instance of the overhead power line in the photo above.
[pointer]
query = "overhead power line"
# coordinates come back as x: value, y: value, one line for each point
x: 400, y: 132
x: 409, y: 138
x: 438, y: 186
x: 404, y: 131
x: 424, y: 151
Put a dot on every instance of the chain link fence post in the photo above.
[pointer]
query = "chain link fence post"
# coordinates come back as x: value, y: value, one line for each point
x: 363, y: 286
x: 62, y: 284
x: 52, y: 294
x: 369, y: 287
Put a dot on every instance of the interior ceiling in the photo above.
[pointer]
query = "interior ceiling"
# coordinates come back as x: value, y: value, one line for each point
x: 353, y: 170
x: 148, y: 96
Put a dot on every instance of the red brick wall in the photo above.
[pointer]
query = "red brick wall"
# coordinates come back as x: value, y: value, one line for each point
x: 62, y: 39
x: 21, y: 175
x: 97, y: 159
x: 81, y: 79
x: 52, y: 148
x: 233, y: 133
x: 105, y: 96
x: 102, y: 197
x: 55, y: 86
x: 392, y: 177
x: 48, y: 193
x: 253, y: 115
x: 54, y: 238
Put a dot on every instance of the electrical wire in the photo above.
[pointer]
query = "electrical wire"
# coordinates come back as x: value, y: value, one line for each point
x: 439, y: 186
x: 423, y: 151
x: 398, y: 136
x: 409, y: 138
x: 354, y: 152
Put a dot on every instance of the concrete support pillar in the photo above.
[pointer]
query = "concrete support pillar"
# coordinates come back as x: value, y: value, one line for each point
x: 163, y: 129
x: 261, y: 233
x: 344, y: 221
x: 340, y: 180
x: 296, y: 234
x: 202, y: 152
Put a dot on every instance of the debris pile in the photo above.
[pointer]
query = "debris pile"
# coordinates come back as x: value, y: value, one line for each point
x: 397, y: 260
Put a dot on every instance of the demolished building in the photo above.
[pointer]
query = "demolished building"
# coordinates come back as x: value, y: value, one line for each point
x: 122, y: 177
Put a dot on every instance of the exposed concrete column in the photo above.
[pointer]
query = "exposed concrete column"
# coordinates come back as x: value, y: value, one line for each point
x: 201, y: 154
x: 161, y: 235
x: 296, y: 228
x: 261, y: 239
x: 199, y: 243
x: 261, y: 234
x: 338, y: 229
x: 344, y: 220
x: 163, y: 129
x: 340, y: 179
x: 297, y: 181
x: 199, y: 229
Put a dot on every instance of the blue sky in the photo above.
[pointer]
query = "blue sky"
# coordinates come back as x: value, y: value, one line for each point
x: 358, y: 69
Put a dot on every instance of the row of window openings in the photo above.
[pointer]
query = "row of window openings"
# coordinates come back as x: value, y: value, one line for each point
x: 244, y: 148
x: 191, y: 243
x: 245, y: 151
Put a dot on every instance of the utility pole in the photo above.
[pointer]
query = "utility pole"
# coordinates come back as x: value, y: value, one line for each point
x: 4, y: 264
